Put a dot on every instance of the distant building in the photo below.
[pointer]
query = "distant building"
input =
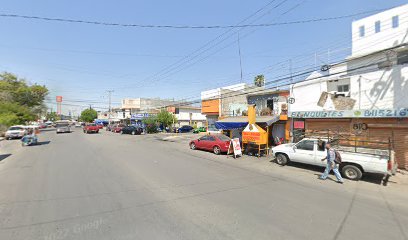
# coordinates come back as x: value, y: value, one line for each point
x: 223, y: 102
x: 187, y: 115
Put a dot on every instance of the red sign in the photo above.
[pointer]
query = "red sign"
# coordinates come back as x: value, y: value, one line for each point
x: 59, y: 98
x: 299, y: 124
x: 251, y: 136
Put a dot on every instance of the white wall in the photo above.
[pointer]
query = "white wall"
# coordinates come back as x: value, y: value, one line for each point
x: 386, y: 38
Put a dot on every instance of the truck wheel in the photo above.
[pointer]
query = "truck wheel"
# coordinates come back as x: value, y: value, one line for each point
x: 352, y: 172
x: 217, y: 150
x: 281, y: 159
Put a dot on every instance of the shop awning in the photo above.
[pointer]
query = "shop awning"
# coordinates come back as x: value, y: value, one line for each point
x: 241, y: 122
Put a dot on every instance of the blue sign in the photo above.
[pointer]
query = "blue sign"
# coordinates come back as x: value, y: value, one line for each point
x: 139, y: 116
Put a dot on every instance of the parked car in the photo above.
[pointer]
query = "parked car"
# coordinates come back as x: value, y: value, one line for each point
x: 200, y: 129
x: 184, y: 129
x: 217, y: 143
x: 78, y: 125
x: 91, y: 128
x: 42, y: 126
x: 132, y: 130
x: 118, y: 128
x: 353, y: 166
x: 100, y: 126
x: 15, y: 132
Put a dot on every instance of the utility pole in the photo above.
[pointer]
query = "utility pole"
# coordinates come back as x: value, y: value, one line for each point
x: 110, y: 102
x: 290, y: 96
x: 240, y: 59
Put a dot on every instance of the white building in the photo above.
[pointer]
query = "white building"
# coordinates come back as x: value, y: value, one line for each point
x: 188, y: 115
x: 367, y: 95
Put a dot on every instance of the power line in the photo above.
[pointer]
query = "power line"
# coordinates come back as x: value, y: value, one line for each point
x: 100, y: 23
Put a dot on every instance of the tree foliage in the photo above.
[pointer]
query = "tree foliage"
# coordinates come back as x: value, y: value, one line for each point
x: 151, y: 124
x: 88, y: 115
x: 19, y: 101
x: 53, y: 116
x: 259, y: 80
x: 165, y: 118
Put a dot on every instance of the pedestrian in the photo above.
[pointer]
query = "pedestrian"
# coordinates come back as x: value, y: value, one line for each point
x: 331, y: 164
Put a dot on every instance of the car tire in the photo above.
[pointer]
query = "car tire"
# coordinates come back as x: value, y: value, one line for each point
x: 217, y: 150
x: 351, y: 172
x: 133, y: 133
x: 282, y: 159
x: 192, y: 146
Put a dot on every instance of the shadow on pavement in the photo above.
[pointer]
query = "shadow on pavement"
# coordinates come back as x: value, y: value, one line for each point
x: 4, y: 156
x: 42, y: 143
x: 367, y: 177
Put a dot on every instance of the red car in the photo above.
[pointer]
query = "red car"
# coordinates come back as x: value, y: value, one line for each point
x: 217, y: 143
x: 91, y: 128
x: 100, y: 126
x: 117, y: 129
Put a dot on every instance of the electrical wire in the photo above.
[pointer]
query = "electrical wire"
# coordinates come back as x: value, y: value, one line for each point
x: 100, y: 23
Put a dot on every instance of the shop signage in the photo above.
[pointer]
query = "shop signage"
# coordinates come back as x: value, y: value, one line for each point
x: 375, y: 113
x: 299, y: 124
x: 236, y: 147
x: 251, y: 136
x: 140, y: 115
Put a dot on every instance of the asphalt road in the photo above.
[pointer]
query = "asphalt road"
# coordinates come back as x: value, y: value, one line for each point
x: 112, y: 186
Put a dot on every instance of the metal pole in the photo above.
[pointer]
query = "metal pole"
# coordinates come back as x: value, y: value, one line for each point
x: 110, y: 101
x: 240, y: 60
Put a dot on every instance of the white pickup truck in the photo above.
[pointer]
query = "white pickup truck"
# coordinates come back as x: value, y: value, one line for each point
x: 353, y: 166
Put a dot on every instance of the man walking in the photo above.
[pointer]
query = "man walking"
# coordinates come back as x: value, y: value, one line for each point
x: 331, y: 164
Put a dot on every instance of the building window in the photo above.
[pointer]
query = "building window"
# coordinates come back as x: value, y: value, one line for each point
x: 362, y: 31
x: 395, y: 22
x: 377, y: 27
x: 343, y: 88
x: 402, y: 57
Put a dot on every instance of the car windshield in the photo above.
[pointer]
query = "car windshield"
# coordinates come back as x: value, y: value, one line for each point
x: 223, y: 138
x: 15, y: 128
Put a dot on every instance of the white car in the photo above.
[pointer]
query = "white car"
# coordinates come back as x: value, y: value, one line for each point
x: 353, y: 166
x: 15, y: 132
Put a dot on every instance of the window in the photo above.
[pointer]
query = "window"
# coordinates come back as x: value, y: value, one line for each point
x: 211, y: 138
x: 362, y: 31
x: 305, y: 145
x: 343, y: 88
x: 224, y: 138
x: 395, y: 22
x: 402, y: 58
x: 321, y: 145
x: 204, y: 138
x: 377, y: 27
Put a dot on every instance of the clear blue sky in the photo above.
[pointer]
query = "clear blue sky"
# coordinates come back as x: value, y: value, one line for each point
x: 80, y: 61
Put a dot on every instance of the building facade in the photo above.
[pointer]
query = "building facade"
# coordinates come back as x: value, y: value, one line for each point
x: 365, y: 97
x: 187, y: 115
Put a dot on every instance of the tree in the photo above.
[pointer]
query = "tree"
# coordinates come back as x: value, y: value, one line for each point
x: 151, y: 124
x: 53, y: 116
x: 259, y: 80
x: 165, y: 118
x: 88, y: 115
x: 13, y: 89
x: 19, y: 102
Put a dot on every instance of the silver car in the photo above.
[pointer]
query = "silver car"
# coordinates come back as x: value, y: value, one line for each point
x: 63, y: 128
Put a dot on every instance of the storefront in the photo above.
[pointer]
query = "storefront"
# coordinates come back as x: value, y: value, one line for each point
x: 370, y: 125
x: 275, y: 127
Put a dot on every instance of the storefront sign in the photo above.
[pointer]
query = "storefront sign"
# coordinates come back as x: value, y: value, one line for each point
x: 140, y: 116
x: 236, y: 147
x: 299, y: 124
x: 251, y: 136
x: 376, y: 113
